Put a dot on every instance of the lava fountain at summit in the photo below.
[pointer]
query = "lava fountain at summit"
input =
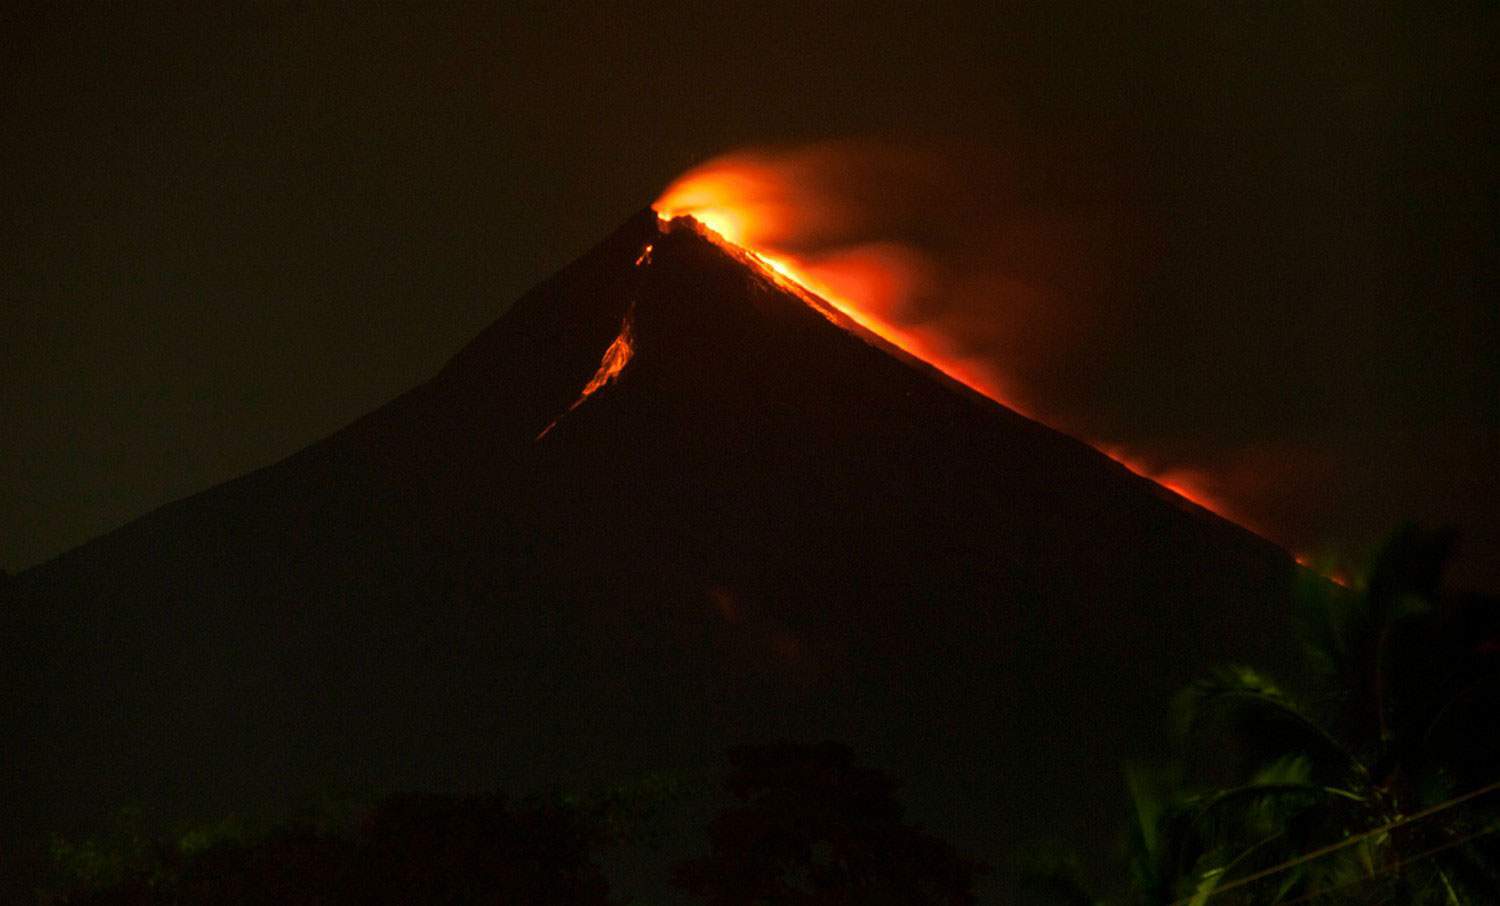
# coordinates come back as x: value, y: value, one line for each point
x: 784, y: 220
x: 755, y: 209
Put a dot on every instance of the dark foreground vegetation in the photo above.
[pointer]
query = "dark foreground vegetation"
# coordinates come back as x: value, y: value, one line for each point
x: 1380, y: 785
x: 809, y: 826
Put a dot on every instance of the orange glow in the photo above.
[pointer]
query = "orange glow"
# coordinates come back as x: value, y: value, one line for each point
x: 1323, y: 567
x: 761, y: 210
x: 616, y: 357
x: 1194, y: 485
x: 614, y: 361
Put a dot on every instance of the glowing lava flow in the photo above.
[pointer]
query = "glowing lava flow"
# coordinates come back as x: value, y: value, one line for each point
x: 616, y: 357
x: 851, y: 285
x: 756, y: 210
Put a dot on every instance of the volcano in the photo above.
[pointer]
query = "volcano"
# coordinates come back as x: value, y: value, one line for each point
x: 666, y: 503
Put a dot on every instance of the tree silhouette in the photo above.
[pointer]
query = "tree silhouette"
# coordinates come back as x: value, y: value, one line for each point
x: 434, y: 849
x: 815, y: 829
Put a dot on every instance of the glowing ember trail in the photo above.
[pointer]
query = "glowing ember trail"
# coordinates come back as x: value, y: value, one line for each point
x: 616, y: 357
x: 756, y: 208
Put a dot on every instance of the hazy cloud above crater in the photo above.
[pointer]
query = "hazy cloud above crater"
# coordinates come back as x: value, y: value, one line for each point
x: 1182, y: 344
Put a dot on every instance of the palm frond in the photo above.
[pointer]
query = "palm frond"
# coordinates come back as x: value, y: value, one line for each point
x: 1261, y: 721
x: 1253, y: 794
x: 1155, y: 799
x: 1410, y: 564
x: 1349, y: 634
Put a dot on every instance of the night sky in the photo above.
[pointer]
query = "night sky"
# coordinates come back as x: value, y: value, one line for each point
x: 1273, y: 230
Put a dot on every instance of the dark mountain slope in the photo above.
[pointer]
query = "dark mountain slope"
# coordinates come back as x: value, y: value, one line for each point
x: 764, y: 526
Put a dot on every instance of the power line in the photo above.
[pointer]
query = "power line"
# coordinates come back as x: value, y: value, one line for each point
x: 1348, y: 841
x: 1392, y: 867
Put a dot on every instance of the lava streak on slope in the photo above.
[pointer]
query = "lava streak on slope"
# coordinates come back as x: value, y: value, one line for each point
x: 616, y: 356
x: 759, y: 210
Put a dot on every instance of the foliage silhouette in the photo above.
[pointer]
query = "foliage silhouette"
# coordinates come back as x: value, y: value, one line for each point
x: 1405, y: 717
x: 816, y: 829
x: 410, y: 848
x: 1404, y: 721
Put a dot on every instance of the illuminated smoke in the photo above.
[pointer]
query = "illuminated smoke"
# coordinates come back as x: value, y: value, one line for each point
x: 951, y: 263
x: 960, y: 258
x: 1051, y: 281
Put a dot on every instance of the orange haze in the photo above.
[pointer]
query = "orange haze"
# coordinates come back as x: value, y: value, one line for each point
x: 780, y: 209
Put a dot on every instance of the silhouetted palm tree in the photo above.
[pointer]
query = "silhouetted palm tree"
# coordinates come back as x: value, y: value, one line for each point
x: 1405, y: 721
x: 1382, y: 786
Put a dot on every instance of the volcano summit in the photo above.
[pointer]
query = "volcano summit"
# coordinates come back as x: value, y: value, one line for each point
x: 667, y: 503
